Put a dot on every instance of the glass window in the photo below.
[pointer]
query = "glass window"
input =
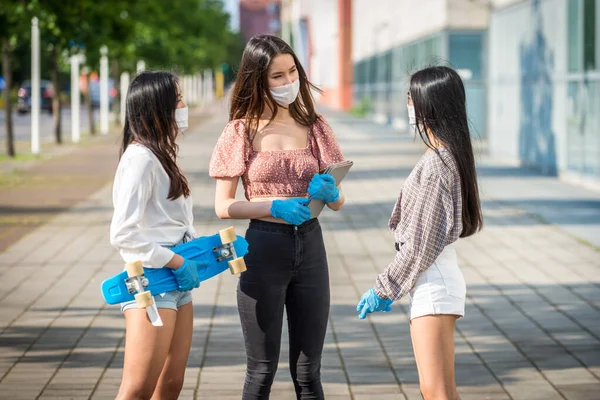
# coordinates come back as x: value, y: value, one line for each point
x: 589, y: 34
x: 466, y: 52
x: 582, y: 31
x: 574, y: 36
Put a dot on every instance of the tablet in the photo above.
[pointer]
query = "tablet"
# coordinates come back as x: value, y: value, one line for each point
x: 338, y: 171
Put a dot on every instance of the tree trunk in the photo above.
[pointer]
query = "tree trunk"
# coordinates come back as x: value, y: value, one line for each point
x: 56, y: 108
x: 90, y: 107
x: 116, y: 101
x: 7, y: 72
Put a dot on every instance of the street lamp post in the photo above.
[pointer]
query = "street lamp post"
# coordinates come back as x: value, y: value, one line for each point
x: 35, y: 86
x: 104, y: 90
x: 140, y: 66
x: 124, y: 86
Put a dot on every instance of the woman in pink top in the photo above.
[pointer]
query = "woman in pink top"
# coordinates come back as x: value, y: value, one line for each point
x: 278, y: 145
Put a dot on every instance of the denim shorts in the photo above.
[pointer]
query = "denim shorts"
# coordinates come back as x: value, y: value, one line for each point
x: 171, y: 300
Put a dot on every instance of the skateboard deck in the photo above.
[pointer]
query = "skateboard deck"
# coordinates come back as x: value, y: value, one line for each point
x: 210, y: 249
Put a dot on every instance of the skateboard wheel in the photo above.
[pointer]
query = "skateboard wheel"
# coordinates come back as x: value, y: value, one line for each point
x: 227, y: 235
x: 237, y: 265
x: 144, y: 299
x: 134, y: 269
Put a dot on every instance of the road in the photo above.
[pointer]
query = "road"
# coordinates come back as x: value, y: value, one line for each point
x: 22, y: 124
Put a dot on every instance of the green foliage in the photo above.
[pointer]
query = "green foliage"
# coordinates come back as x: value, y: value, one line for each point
x: 184, y: 35
x: 362, y: 109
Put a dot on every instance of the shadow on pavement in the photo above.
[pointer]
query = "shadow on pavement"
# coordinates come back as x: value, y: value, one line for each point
x: 578, y: 348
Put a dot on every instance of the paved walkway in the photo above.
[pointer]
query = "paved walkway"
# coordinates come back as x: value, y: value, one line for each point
x: 532, y: 329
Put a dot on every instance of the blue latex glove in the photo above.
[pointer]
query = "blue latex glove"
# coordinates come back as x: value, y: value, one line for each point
x: 322, y: 187
x: 370, y: 302
x: 187, y: 275
x: 293, y: 211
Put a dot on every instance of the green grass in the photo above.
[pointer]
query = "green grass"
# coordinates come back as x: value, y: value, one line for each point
x: 361, y: 109
x: 21, y: 157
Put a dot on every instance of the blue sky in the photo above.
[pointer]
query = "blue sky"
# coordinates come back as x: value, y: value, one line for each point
x: 233, y: 8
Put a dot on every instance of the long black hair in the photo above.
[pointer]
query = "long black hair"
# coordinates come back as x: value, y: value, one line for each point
x: 251, y: 92
x: 150, y: 120
x: 438, y: 95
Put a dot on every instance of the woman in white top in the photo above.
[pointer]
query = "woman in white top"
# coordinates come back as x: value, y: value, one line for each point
x: 152, y: 212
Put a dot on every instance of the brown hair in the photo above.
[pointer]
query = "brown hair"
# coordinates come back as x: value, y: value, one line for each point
x: 251, y: 90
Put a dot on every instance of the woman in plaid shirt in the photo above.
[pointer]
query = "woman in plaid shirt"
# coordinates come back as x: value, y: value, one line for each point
x: 438, y: 204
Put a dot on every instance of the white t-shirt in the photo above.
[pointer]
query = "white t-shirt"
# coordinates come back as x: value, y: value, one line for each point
x: 144, y: 220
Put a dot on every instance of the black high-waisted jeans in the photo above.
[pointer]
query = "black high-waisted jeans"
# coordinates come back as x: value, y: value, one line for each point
x: 287, y: 265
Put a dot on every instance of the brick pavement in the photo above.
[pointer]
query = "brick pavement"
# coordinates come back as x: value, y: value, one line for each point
x: 532, y: 328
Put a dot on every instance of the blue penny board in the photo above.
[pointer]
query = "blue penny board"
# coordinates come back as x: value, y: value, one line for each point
x: 161, y: 280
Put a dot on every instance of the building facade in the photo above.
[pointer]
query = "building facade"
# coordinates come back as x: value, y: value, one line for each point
x: 544, y: 86
x: 531, y: 68
x: 321, y: 33
x: 394, y: 39
x: 259, y: 17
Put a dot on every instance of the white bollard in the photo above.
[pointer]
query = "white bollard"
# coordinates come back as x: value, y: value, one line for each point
x: 104, y: 90
x: 75, y: 99
x: 123, y: 91
x: 35, y: 86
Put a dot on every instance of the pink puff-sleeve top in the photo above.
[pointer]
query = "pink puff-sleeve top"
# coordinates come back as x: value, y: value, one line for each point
x: 274, y: 173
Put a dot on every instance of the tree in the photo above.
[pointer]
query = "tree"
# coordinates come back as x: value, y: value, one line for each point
x: 15, y: 19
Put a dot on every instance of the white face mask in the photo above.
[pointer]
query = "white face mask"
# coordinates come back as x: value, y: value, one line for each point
x: 181, y: 118
x: 412, y: 118
x: 286, y: 94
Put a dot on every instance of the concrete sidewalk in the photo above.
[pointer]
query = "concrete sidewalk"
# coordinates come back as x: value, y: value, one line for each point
x: 532, y: 328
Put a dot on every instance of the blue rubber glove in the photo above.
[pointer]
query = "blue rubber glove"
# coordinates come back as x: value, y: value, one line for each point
x: 292, y: 211
x: 370, y: 302
x: 187, y: 275
x: 322, y: 187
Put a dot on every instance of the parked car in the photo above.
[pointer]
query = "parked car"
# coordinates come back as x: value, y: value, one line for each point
x: 24, y: 96
x: 95, y: 92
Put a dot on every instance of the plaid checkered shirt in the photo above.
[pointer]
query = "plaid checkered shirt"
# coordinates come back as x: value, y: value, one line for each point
x: 426, y: 218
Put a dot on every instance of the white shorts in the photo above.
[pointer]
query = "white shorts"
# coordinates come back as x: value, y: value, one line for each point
x: 440, y: 289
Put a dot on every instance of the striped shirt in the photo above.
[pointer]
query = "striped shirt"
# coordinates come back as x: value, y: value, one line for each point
x: 426, y: 218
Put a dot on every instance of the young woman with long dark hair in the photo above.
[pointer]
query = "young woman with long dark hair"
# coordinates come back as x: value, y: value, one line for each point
x: 278, y: 145
x: 438, y: 204
x: 152, y: 212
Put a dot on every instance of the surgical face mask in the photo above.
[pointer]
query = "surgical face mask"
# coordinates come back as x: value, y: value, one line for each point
x: 181, y: 118
x: 286, y: 94
x: 412, y: 118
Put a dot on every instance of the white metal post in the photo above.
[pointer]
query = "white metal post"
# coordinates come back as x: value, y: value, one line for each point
x: 104, y: 90
x: 193, y: 94
x: 187, y: 88
x: 75, y: 99
x: 211, y: 85
x: 140, y: 66
x: 206, y: 86
x: 201, y: 88
x: 123, y: 91
x: 35, y: 86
